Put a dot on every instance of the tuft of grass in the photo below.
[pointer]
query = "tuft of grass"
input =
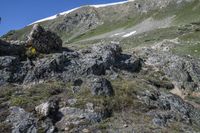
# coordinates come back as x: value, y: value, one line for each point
x: 192, y: 49
x: 37, y: 94
x: 194, y: 99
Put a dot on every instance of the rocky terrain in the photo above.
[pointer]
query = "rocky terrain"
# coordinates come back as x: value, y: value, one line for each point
x: 132, y: 67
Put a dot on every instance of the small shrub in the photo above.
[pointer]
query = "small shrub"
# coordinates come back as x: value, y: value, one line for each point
x: 31, y: 52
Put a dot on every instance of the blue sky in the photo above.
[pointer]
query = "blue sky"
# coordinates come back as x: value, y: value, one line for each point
x: 16, y: 14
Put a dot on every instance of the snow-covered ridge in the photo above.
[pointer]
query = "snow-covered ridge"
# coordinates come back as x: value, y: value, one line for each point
x: 69, y: 11
x: 109, y: 4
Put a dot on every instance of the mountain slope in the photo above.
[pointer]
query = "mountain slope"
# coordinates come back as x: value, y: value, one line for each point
x: 123, y: 67
x: 90, y: 21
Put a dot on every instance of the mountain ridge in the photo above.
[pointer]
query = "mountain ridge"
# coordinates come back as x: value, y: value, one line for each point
x: 62, y: 24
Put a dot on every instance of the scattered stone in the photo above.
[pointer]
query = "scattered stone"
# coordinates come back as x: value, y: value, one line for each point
x: 72, y: 101
x: 101, y: 86
x: 125, y: 126
x: 86, y: 130
x: 47, y: 109
x: 22, y: 122
x: 76, y: 89
x: 67, y: 129
x: 77, y: 82
x: 90, y: 107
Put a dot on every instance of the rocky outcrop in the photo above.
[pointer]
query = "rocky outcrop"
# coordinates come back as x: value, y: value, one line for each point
x: 75, y: 118
x: 169, y: 107
x: 44, y: 41
x: 21, y: 121
x: 184, y: 71
x: 8, y: 49
x: 101, y: 86
x: 68, y: 65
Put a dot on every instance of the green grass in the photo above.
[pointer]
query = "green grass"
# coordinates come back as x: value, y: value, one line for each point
x: 194, y: 99
x: 150, y: 37
x: 188, y: 13
x: 184, y: 14
x: 188, y: 49
x: 104, y: 29
x: 37, y: 94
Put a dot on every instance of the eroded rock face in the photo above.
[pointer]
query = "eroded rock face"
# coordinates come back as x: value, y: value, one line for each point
x: 22, y: 122
x: 44, y: 41
x: 101, y: 86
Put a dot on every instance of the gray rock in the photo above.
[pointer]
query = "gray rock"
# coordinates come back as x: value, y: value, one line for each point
x: 185, y: 71
x: 8, y: 65
x: 71, y: 101
x: 44, y: 41
x: 69, y: 66
x: 11, y: 49
x: 22, y: 121
x: 162, y: 119
x: 76, y: 89
x: 48, y: 126
x: 169, y: 107
x: 46, y: 68
x: 77, y: 82
x: 101, y: 86
x: 47, y: 109
x: 108, y: 53
x: 75, y: 117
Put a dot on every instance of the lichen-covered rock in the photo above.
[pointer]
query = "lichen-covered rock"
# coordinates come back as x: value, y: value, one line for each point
x: 169, y: 107
x: 77, y: 118
x: 47, y: 109
x: 185, y: 71
x: 70, y: 65
x: 8, y: 65
x: 109, y: 53
x: 101, y: 86
x: 44, y: 41
x: 46, y: 68
x: 22, y: 121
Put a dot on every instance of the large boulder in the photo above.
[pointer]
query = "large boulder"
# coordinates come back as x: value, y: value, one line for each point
x: 101, y: 86
x: 22, y: 121
x: 109, y: 54
x: 44, y: 41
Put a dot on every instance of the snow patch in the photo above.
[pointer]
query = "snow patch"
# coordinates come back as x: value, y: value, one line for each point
x: 69, y: 11
x: 117, y: 34
x: 110, y: 4
x: 129, y: 34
